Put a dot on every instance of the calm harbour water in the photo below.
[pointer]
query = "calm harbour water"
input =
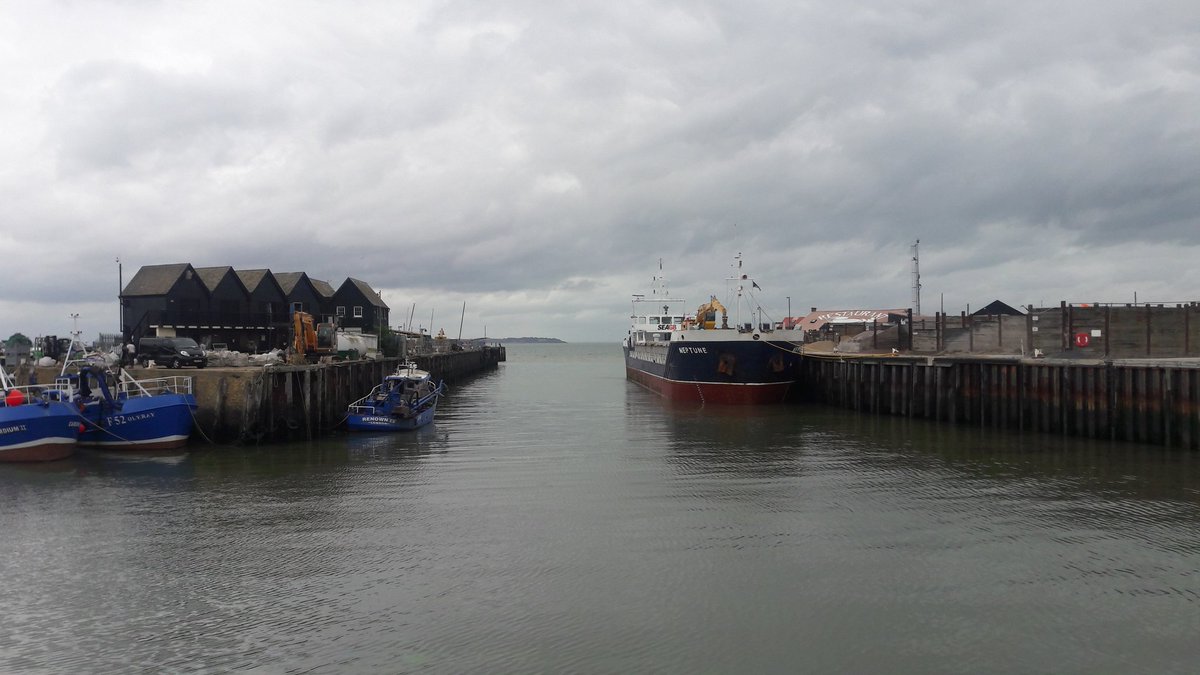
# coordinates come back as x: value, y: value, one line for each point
x: 557, y: 518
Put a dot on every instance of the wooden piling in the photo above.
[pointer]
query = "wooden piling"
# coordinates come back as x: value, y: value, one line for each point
x: 302, y: 402
x: 1148, y: 402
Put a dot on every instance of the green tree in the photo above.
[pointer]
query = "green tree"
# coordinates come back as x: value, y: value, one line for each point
x: 18, y: 339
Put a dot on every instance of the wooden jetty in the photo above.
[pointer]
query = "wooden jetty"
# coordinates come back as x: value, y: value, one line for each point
x: 1154, y: 401
x: 298, y: 402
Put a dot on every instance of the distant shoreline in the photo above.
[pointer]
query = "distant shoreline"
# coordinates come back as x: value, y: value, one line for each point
x: 530, y: 340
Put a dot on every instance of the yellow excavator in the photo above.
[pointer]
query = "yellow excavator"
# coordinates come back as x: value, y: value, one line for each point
x: 311, y: 340
x: 706, y: 315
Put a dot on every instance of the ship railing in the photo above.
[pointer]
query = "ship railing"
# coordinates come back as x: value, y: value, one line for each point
x: 358, y: 406
x: 15, y: 395
x: 154, y: 386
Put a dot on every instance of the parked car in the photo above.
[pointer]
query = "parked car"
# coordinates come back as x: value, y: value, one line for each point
x: 173, y: 352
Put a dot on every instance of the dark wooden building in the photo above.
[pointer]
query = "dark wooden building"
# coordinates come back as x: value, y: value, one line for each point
x: 228, y: 305
x: 302, y: 295
x: 267, y: 298
x: 164, y: 300
x: 266, y: 295
x: 357, y: 305
x: 245, y: 310
x: 325, y: 290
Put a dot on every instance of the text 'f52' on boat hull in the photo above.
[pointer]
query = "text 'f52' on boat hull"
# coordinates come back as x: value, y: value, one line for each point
x: 702, y: 358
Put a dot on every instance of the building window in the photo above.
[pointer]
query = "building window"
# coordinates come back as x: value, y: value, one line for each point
x: 341, y: 310
x: 297, y: 306
x: 358, y: 311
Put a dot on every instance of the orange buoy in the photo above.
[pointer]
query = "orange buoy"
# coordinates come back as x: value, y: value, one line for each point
x: 14, y: 397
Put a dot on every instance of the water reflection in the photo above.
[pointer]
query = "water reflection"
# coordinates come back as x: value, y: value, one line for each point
x: 557, y: 519
x: 382, y: 446
x: 763, y: 442
x: 31, y: 470
x: 1104, y: 469
x: 158, y: 467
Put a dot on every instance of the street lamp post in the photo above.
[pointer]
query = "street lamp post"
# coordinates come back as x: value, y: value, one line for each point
x: 121, y: 301
x: 789, y: 316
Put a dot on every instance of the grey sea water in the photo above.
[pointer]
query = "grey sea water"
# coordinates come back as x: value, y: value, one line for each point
x: 557, y: 518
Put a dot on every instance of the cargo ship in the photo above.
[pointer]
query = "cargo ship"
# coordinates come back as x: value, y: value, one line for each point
x: 701, y: 357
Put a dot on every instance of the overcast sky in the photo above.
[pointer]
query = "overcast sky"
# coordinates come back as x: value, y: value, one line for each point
x: 536, y: 159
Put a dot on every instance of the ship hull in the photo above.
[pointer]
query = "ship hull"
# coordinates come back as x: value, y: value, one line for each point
x: 384, y: 421
x: 160, y: 422
x: 38, y: 432
x: 718, y: 371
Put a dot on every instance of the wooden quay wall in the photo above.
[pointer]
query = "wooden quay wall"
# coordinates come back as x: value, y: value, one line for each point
x: 286, y: 403
x: 250, y: 405
x: 1143, y: 400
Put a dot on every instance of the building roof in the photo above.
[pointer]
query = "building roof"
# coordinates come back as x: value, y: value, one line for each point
x: 288, y: 280
x: 159, y: 279
x: 252, y: 278
x: 212, y: 276
x: 376, y: 299
x: 155, y: 279
x: 323, y: 287
x: 995, y: 308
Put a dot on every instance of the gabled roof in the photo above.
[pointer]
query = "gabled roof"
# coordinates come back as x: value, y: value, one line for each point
x: 367, y: 292
x: 252, y: 278
x: 995, y: 308
x: 288, y: 280
x: 155, y: 279
x: 323, y: 287
x: 212, y: 276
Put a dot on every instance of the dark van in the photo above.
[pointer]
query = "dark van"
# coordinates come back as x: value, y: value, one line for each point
x: 172, y: 352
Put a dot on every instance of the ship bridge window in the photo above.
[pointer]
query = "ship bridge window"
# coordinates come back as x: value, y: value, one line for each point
x: 654, y: 319
x: 677, y: 319
x: 641, y: 319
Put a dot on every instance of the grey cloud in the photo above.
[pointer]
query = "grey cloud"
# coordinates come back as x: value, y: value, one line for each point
x: 510, y: 147
x: 114, y: 115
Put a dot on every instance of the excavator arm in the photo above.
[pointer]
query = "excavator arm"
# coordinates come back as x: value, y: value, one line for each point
x: 706, y: 315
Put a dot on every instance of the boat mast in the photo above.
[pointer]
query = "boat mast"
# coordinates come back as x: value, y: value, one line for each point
x: 738, y: 289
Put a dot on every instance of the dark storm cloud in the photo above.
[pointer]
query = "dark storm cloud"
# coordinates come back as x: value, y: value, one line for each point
x: 546, y: 156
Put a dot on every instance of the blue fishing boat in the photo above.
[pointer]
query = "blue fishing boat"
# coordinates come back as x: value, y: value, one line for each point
x: 33, y: 426
x: 406, y: 399
x: 122, y: 413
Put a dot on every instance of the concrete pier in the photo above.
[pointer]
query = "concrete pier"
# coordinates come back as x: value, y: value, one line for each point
x: 285, y: 402
x: 1143, y: 400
